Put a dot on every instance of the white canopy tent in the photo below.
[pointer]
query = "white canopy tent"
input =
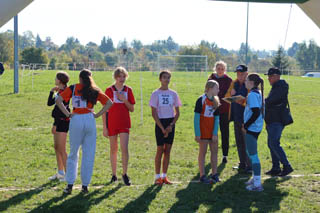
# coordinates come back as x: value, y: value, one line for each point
x: 10, y: 9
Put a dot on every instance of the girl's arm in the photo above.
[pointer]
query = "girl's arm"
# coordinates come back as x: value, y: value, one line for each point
x: 156, y: 119
x: 176, y: 117
x: 253, y: 118
x: 216, y: 125
x: 196, y: 124
x: 51, y: 99
x: 129, y: 105
x: 104, y: 109
x: 105, y: 124
x: 122, y: 98
x: 59, y: 103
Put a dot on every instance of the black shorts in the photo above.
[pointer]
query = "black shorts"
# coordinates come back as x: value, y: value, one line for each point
x: 161, y: 140
x: 62, y: 125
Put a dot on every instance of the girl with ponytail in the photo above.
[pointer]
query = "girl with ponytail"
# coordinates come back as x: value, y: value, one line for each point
x: 83, y: 132
x: 253, y: 123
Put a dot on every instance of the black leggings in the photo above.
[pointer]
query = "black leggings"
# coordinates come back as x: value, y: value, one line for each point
x: 224, y: 129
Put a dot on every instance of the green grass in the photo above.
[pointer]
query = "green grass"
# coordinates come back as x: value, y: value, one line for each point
x: 27, y: 156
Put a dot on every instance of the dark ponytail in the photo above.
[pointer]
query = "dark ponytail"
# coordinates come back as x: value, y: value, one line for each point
x: 258, y: 81
x: 89, y: 91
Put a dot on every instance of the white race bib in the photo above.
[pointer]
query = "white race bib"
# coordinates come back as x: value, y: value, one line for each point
x: 115, y: 98
x: 208, y: 112
x: 77, y: 102
x: 165, y: 100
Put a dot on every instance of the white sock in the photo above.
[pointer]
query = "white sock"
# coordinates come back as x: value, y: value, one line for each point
x: 157, y: 176
x: 257, y: 181
x: 225, y: 156
x: 164, y: 175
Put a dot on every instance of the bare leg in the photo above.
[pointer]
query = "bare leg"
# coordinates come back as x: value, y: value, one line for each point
x: 166, y: 157
x: 124, y: 142
x: 158, y: 157
x: 113, y: 153
x: 214, y: 156
x: 202, y: 156
x: 60, y: 148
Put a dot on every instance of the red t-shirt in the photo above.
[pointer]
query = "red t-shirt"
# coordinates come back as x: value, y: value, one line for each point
x: 118, y: 114
x: 85, y: 107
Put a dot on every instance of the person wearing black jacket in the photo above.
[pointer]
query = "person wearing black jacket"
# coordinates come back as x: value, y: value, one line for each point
x: 60, y: 126
x: 1, y: 68
x: 275, y: 103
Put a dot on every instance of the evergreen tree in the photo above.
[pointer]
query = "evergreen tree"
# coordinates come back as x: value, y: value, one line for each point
x: 281, y: 61
x: 39, y: 43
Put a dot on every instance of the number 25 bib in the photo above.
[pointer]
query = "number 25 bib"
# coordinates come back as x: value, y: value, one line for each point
x: 165, y: 100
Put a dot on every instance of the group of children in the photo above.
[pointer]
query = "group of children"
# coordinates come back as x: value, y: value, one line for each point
x: 118, y: 101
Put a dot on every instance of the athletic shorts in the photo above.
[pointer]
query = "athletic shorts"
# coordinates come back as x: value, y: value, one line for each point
x: 113, y: 132
x: 61, y: 125
x: 161, y: 140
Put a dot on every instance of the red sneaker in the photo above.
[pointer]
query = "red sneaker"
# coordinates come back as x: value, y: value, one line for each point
x: 166, y: 180
x: 158, y: 181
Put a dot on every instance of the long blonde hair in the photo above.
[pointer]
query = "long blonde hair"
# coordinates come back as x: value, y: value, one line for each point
x: 212, y: 84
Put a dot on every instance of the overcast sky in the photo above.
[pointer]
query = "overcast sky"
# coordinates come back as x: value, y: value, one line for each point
x: 187, y: 21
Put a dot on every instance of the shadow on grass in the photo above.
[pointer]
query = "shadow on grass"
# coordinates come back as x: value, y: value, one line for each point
x: 7, y: 94
x: 229, y: 195
x: 79, y: 203
x: 141, y: 204
x: 19, y: 198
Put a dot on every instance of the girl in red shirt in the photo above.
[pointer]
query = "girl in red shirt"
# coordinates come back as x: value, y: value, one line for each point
x: 116, y: 122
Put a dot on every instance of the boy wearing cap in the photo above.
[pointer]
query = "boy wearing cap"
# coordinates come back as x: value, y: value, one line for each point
x: 274, y: 104
x: 237, y: 88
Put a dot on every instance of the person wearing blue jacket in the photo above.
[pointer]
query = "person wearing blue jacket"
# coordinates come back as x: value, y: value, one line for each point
x: 253, y: 124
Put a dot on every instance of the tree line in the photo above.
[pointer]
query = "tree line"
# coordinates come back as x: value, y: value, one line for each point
x: 34, y: 50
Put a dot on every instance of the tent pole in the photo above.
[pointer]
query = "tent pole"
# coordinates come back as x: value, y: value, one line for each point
x: 16, y: 59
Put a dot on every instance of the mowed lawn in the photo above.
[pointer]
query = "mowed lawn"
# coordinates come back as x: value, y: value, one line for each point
x: 27, y: 156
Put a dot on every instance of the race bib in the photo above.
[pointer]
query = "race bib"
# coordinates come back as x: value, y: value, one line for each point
x: 208, y: 112
x: 115, y: 98
x: 77, y: 102
x: 165, y: 100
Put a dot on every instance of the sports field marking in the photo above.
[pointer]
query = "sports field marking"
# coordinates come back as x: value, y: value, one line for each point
x: 78, y: 187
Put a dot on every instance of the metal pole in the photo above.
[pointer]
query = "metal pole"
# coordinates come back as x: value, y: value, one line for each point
x: 16, y: 59
x: 247, y: 33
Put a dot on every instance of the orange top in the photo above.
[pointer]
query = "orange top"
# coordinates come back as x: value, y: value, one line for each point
x: 81, y: 106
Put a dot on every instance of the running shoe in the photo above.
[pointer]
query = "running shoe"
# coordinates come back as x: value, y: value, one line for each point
x: 273, y: 172
x: 214, y: 178
x: 158, y: 181
x: 165, y: 180
x: 68, y: 189
x: 205, y: 180
x: 249, y: 182
x: 57, y: 176
x: 84, y: 189
x: 285, y: 171
x: 126, y: 180
x: 254, y: 188
x: 224, y: 159
x: 113, y: 179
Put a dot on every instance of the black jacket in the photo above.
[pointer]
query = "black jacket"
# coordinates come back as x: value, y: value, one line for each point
x: 56, y: 112
x: 1, y: 68
x: 276, y: 101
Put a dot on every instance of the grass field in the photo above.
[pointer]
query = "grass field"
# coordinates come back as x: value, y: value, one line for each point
x: 27, y: 156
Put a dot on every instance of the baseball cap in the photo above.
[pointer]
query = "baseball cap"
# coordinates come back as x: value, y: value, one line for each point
x: 273, y: 71
x: 241, y: 68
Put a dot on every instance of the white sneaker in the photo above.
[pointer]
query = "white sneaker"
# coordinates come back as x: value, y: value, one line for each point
x: 56, y: 176
x: 254, y: 188
x: 249, y: 182
x: 63, y: 179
